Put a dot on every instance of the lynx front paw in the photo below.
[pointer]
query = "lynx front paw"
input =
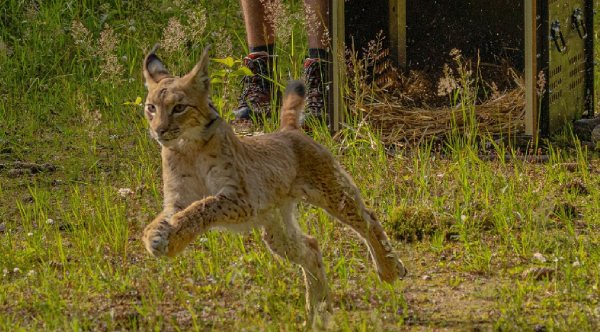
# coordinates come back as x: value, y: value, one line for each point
x: 391, y: 269
x: 156, y: 238
x: 321, y: 318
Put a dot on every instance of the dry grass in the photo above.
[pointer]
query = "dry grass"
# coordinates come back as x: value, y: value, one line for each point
x: 399, y: 109
x: 404, y: 124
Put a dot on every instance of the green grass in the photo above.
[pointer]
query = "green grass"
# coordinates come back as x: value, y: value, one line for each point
x: 71, y: 255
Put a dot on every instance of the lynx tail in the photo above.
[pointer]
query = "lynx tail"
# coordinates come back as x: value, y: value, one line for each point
x: 293, y: 104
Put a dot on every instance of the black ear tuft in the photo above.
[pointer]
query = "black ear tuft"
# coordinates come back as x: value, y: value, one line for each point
x: 154, y: 69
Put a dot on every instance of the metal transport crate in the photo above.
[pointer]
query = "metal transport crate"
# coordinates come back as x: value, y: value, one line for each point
x: 551, y: 40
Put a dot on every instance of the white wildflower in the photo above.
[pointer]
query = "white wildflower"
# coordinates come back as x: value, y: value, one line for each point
x: 124, y: 192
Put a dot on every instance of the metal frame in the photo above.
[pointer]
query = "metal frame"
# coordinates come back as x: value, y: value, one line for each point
x: 589, y: 68
x: 337, y: 77
x: 398, y: 32
x: 531, y: 65
x: 541, y: 125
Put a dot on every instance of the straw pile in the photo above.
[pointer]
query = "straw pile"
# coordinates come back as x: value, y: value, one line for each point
x: 393, y: 112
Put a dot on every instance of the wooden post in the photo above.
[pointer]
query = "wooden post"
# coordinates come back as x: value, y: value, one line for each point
x: 531, y: 98
x: 336, y: 65
x: 398, y: 32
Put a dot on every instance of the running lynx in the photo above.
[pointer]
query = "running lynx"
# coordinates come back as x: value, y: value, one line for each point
x: 212, y: 178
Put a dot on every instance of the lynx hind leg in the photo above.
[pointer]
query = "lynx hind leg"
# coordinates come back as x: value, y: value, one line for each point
x: 390, y: 267
x: 288, y: 241
x: 341, y: 198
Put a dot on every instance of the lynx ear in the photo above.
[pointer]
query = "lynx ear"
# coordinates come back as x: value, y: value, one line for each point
x: 154, y: 70
x: 199, y: 76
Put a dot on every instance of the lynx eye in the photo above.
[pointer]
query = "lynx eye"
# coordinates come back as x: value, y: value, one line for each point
x: 179, y: 108
x: 151, y: 108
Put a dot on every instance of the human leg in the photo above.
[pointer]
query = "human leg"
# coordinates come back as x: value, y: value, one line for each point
x: 255, y: 98
x: 259, y: 33
x: 315, y: 66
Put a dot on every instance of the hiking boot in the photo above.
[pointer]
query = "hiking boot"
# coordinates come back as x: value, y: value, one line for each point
x: 255, y: 98
x: 315, y: 75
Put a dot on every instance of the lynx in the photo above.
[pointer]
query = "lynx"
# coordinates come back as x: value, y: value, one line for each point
x: 212, y: 179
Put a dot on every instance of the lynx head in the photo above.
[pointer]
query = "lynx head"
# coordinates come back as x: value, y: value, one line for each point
x: 177, y: 107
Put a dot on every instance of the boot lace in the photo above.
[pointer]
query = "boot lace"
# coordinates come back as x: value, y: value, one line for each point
x: 316, y: 74
x: 256, y: 87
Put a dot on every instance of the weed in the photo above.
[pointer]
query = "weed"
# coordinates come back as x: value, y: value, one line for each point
x: 416, y: 223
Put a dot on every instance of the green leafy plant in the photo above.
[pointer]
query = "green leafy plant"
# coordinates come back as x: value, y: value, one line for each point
x: 232, y: 72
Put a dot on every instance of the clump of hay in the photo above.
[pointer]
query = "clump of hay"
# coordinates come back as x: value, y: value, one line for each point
x: 398, y: 109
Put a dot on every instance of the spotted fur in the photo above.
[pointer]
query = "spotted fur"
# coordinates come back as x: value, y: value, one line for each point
x: 212, y: 178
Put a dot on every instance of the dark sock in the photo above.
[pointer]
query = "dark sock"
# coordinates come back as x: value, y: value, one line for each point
x: 264, y: 48
x: 318, y: 53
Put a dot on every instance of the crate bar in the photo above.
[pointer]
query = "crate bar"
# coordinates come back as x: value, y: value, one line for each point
x: 531, y: 100
x: 543, y: 64
x: 337, y: 77
x: 398, y: 32
x: 589, y: 64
